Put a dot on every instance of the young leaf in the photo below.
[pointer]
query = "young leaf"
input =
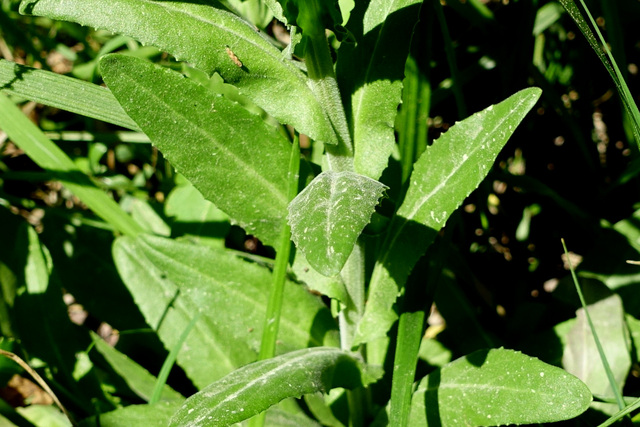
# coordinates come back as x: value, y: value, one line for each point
x: 211, y: 39
x: 497, y: 387
x: 328, y: 216
x: 231, y: 156
x: 253, y: 388
x: 171, y: 281
x: 446, y: 173
x: 370, y: 75
x: 311, y: 16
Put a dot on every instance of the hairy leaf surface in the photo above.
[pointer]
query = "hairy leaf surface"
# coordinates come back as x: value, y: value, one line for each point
x: 327, y: 217
x: 211, y: 39
x: 254, y: 388
x: 497, y: 387
x: 446, y: 173
x: 231, y: 156
x: 171, y: 281
x: 370, y: 74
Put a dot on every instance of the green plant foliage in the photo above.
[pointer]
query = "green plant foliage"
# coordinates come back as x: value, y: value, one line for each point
x: 293, y: 229
x: 249, y: 157
x: 213, y: 40
x: 329, y: 215
x: 441, y: 179
x: 253, y: 388
x: 63, y: 92
x: 580, y: 356
x: 171, y: 281
x: 496, y: 387
x: 137, y: 378
x: 372, y: 70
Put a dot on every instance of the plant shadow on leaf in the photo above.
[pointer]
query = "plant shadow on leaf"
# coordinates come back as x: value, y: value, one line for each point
x: 476, y: 359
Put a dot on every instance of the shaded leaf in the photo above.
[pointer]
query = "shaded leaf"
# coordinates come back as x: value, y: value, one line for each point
x: 171, y: 281
x: 370, y: 74
x: 496, y: 387
x: 446, y: 173
x: 205, y: 35
x: 327, y: 217
x: 135, y: 415
x: 231, y: 156
x: 139, y: 380
x: 581, y: 357
x: 254, y: 388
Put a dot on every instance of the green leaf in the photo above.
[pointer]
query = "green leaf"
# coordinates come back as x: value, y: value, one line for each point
x: 580, y: 356
x: 231, y: 156
x: 311, y: 16
x: 209, y: 38
x: 195, y: 217
x: 63, y: 92
x: 496, y: 387
x: 171, y: 281
x: 370, y: 74
x: 139, y: 380
x: 328, y: 216
x: 254, y: 388
x: 135, y: 415
x: 49, y: 156
x: 446, y: 173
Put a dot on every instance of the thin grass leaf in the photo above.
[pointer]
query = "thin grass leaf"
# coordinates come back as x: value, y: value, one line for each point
x: 168, y: 363
x: 49, y: 156
x: 63, y: 92
x: 605, y: 363
x: 607, y: 59
x: 138, y: 379
x: 621, y: 414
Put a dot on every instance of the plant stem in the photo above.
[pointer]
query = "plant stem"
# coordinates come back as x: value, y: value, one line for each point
x: 274, y: 306
x: 323, y: 80
x: 353, y: 277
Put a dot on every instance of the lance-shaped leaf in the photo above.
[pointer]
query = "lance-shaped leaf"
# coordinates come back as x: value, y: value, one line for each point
x: 231, y: 156
x: 327, y: 217
x: 171, y: 281
x: 446, y: 173
x: 211, y: 39
x: 253, y: 388
x: 66, y: 93
x: 497, y: 387
x: 370, y: 74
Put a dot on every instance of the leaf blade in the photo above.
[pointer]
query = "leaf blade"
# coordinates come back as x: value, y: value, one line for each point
x: 371, y: 72
x: 210, y: 38
x: 170, y: 281
x: 328, y: 216
x: 246, y: 180
x: 446, y: 173
x: 255, y: 387
x: 496, y: 387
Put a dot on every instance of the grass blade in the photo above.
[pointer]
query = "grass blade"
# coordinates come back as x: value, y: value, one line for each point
x: 63, y: 92
x: 170, y: 360
x: 49, y: 156
x: 607, y: 59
